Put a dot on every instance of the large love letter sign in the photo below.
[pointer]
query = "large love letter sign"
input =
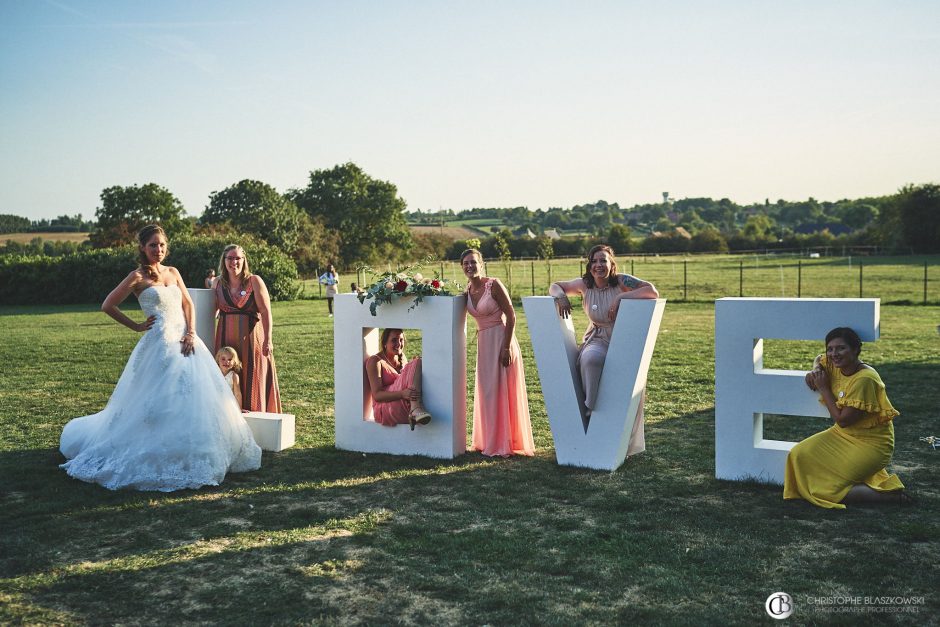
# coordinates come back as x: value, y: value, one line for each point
x: 442, y: 320
x: 744, y: 389
x: 603, y: 445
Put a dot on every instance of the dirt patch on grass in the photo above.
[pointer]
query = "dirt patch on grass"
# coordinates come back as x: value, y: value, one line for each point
x: 25, y: 238
x: 453, y: 232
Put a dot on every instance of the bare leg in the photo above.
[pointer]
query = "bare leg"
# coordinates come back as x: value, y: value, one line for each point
x: 861, y: 493
x: 417, y: 404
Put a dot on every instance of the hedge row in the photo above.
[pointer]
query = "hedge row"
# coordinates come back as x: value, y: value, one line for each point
x: 89, y: 275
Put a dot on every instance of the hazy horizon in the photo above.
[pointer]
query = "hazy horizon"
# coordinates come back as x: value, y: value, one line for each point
x: 463, y: 105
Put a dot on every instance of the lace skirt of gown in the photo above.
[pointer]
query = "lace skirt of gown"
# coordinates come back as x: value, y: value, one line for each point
x: 172, y: 421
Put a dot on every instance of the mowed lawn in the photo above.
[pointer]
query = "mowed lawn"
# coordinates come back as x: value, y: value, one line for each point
x: 331, y: 537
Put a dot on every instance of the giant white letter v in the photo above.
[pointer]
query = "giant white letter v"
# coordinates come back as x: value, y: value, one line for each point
x: 603, y: 445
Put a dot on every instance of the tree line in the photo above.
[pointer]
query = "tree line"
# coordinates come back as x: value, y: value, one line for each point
x: 344, y: 216
x: 907, y: 221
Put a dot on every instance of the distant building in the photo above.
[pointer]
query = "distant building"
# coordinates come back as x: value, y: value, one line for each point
x: 681, y: 231
x: 524, y: 231
x: 552, y: 234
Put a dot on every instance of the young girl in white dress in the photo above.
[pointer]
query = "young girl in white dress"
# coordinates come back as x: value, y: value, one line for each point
x: 230, y: 366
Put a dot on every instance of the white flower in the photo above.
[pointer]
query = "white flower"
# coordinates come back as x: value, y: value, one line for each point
x: 418, y: 277
x: 389, y: 285
x: 401, y: 276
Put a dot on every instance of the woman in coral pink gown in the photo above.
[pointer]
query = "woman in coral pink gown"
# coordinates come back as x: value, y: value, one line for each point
x: 500, y: 405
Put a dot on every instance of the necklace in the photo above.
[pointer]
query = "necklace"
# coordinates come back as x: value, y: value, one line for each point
x: 384, y: 358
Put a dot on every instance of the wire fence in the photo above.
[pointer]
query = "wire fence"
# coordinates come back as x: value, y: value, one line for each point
x: 900, y: 280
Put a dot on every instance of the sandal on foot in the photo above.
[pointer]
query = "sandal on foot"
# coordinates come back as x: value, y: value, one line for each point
x: 419, y: 416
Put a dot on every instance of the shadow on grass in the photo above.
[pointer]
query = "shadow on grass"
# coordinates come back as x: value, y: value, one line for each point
x: 322, y: 535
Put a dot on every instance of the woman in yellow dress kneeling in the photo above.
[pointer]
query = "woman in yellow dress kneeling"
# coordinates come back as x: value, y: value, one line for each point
x: 846, y: 462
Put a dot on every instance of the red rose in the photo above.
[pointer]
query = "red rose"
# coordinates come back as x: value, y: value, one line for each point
x: 400, y: 286
x: 435, y: 284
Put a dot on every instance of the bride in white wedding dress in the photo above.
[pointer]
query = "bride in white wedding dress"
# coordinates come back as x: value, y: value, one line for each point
x: 172, y: 422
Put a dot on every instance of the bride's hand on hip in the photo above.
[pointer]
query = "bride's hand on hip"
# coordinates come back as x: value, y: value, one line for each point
x: 140, y: 327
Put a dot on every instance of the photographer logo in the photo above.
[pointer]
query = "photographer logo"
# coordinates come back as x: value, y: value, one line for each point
x: 779, y: 605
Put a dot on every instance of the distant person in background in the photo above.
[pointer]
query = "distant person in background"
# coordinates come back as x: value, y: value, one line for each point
x: 330, y: 279
x: 355, y: 289
x: 210, y: 279
x: 602, y: 289
x: 846, y: 462
x: 246, y: 325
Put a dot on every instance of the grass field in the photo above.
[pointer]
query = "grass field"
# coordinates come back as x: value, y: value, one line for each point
x: 707, y: 277
x: 25, y: 238
x: 331, y: 537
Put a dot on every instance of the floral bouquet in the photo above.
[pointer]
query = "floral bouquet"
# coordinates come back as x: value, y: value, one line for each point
x: 405, y: 282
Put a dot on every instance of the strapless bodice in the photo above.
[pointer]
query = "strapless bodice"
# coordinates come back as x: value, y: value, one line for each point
x: 166, y: 303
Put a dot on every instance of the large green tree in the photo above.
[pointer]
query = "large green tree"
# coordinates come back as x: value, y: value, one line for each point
x: 125, y: 210
x: 257, y: 208
x: 918, y: 210
x: 366, y: 214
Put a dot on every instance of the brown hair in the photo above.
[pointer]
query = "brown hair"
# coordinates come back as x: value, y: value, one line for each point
x: 244, y: 275
x: 144, y: 235
x: 471, y: 251
x: 589, y: 278
x: 848, y: 335
x: 385, y: 333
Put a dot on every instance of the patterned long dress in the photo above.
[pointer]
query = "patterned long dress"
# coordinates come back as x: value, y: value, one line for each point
x: 240, y: 327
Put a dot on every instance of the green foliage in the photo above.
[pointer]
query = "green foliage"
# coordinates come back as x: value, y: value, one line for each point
x: 125, y: 210
x: 620, y: 238
x: 758, y: 227
x: 407, y: 282
x: 501, y: 241
x: 365, y: 213
x: 546, y: 248
x: 667, y: 242
x: 708, y: 241
x: 256, y: 207
x: 918, y: 210
x: 48, y: 248
x: 89, y: 275
x: 13, y: 224
x: 62, y: 224
x: 432, y: 245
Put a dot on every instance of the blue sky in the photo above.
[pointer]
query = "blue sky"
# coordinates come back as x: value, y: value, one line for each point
x: 468, y: 104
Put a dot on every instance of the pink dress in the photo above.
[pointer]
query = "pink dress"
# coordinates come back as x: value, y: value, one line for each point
x: 391, y: 413
x: 500, y: 404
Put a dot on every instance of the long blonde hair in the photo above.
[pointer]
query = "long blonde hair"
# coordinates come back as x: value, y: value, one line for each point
x: 144, y: 235
x: 244, y: 275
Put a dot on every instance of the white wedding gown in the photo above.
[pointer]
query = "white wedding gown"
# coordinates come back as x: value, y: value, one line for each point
x: 172, y: 421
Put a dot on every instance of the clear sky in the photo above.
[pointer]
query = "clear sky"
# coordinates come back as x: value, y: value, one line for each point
x: 468, y: 104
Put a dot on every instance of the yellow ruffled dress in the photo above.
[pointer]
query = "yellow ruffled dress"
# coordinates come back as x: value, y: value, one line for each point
x: 824, y: 467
